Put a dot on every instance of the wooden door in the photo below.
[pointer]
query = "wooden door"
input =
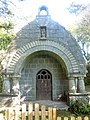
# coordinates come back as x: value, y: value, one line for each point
x: 43, y: 85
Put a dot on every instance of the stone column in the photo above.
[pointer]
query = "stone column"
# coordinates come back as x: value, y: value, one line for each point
x: 7, y: 86
x: 3, y: 85
x: 11, y: 85
x: 16, y: 86
x: 72, y: 89
x: 16, y: 100
x: 72, y: 86
x: 76, y: 84
x: 81, y: 86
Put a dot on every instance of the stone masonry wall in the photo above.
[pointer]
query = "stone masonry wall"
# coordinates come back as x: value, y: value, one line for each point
x: 33, y: 64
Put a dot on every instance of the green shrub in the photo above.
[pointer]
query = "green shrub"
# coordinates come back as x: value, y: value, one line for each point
x: 87, y: 79
x: 78, y: 107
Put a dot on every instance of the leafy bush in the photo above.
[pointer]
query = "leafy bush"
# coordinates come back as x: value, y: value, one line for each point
x: 6, y: 34
x: 78, y: 107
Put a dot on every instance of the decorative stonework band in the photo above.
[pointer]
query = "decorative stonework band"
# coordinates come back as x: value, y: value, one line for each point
x: 35, y: 46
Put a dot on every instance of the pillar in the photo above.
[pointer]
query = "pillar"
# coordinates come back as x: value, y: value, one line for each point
x: 16, y: 100
x: 11, y: 85
x: 72, y: 86
x: 76, y: 84
x: 7, y: 86
x: 3, y: 85
x: 72, y: 89
x: 16, y: 86
x: 81, y: 86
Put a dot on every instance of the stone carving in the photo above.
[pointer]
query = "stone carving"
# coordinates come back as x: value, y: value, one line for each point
x: 43, y: 31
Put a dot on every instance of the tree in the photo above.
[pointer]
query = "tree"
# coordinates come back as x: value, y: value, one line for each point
x: 6, y: 30
x: 5, y: 9
x: 6, y: 34
x: 81, y: 30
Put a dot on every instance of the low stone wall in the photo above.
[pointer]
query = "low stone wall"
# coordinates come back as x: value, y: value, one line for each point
x: 75, y: 96
x: 8, y: 100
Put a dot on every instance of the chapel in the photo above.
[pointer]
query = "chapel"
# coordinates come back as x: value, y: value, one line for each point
x: 44, y: 61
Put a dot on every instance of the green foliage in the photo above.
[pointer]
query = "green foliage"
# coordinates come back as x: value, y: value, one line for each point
x: 81, y: 30
x: 6, y: 34
x: 5, y: 39
x: 87, y: 79
x: 8, y: 26
x: 82, y: 33
x: 78, y: 107
x: 3, y: 112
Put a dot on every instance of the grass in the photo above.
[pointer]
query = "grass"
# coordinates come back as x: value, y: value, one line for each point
x: 63, y: 113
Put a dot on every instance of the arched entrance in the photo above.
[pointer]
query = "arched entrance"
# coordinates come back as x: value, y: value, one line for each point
x: 43, y: 85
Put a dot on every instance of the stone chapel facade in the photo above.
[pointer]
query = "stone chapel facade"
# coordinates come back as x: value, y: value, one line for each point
x: 44, y: 61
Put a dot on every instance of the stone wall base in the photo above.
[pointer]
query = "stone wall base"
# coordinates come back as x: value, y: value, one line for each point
x: 79, y: 96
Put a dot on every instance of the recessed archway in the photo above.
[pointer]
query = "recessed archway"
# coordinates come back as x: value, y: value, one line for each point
x: 59, y: 49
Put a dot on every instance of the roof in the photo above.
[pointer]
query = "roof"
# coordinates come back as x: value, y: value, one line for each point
x: 54, y: 32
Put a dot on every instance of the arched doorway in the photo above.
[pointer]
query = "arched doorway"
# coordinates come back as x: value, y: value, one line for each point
x: 43, y: 85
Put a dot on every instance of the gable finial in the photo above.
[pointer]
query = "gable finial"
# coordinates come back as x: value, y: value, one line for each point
x: 43, y: 7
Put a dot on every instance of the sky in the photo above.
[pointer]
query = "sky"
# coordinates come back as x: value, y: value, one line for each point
x: 28, y: 9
